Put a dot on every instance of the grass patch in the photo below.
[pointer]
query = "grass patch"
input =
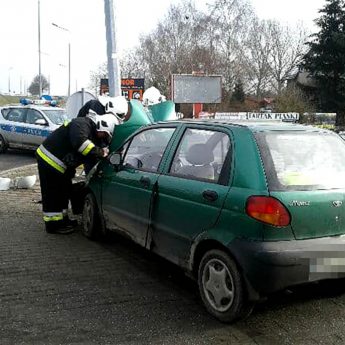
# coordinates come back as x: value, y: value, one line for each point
x: 6, y: 99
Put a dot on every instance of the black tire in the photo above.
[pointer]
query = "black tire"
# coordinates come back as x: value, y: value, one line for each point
x: 3, y: 144
x: 222, y: 287
x: 93, y: 223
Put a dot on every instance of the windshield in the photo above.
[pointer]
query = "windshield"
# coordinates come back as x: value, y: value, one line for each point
x: 57, y: 116
x: 303, y: 160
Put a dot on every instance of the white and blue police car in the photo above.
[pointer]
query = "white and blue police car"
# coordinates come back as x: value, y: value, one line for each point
x: 25, y: 126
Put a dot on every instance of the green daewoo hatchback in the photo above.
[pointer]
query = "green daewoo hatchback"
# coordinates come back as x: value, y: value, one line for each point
x: 246, y: 208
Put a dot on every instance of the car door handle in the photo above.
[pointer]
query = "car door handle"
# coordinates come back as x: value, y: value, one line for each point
x: 210, y: 195
x: 145, y: 181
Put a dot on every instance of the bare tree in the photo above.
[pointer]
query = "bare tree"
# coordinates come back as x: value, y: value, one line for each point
x: 177, y: 45
x: 96, y: 76
x: 255, y: 56
x: 286, y: 52
x: 132, y: 64
x: 230, y: 19
x: 228, y: 40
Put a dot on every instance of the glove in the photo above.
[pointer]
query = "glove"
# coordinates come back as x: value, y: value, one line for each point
x: 70, y: 173
x: 105, y: 151
x: 71, y: 160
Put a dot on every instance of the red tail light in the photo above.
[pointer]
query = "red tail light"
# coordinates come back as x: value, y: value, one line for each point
x: 268, y: 210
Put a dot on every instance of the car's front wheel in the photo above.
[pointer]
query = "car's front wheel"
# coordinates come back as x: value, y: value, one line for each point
x: 93, y: 224
x: 222, y: 287
x: 3, y: 144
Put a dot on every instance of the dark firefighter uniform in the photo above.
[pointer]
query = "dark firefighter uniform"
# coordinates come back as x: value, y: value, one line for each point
x: 94, y: 105
x: 64, y: 150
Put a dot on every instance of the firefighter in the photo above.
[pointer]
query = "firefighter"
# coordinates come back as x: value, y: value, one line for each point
x: 117, y: 105
x: 59, y: 155
x: 100, y: 105
x: 94, y: 105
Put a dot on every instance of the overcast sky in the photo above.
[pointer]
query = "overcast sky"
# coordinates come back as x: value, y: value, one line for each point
x: 85, y: 21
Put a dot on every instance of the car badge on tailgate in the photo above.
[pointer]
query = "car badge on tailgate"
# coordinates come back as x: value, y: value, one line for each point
x: 299, y: 203
x: 337, y: 203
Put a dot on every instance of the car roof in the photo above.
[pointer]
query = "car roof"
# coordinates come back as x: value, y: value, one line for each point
x: 31, y: 106
x: 256, y: 125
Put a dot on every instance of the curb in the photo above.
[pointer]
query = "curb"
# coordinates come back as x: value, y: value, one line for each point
x: 15, y: 171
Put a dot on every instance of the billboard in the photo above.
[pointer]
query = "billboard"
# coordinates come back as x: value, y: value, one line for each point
x: 188, y: 88
x: 132, y: 88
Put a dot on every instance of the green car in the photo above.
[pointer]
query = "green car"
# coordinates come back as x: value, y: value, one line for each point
x: 245, y: 208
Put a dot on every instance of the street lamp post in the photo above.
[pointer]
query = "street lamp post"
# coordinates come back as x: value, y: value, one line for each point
x: 114, y: 74
x: 69, y: 57
x: 9, y: 80
x: 39, y: 49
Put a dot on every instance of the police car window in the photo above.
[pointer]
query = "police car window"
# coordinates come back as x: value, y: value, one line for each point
x: 57, y: 116
x: 201, y: 155
x: 16, y: 115
x: 146, y: 149
x: 5, y: 112
x: 32, y: 116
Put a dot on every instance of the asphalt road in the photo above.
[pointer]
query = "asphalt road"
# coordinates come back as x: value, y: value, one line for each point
x: 58, y: 289
x: 14, y: 159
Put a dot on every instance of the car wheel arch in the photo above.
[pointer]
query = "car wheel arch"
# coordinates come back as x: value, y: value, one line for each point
x: 3, y: 144
x: 204, y: 246
x: 97, y: 229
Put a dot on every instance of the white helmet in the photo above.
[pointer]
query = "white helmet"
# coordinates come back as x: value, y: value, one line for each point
x: 152, y: 96
x: 106, y: 123
x: 115, y: 105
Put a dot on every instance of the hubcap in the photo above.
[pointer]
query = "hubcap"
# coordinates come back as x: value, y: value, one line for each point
x: 218, y: 285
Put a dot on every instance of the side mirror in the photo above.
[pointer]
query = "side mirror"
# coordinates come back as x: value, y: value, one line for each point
x: 115, y: 159
x: 41, y: 122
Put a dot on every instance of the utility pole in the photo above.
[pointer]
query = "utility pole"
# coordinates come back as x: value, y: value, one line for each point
x: 69, y: 56
x: 39, y: 49
x: 114, y: 74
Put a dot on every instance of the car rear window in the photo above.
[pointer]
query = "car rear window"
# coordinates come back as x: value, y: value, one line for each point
x: 302, y: 160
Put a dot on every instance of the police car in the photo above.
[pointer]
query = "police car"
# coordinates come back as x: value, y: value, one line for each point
x: 26, y: 126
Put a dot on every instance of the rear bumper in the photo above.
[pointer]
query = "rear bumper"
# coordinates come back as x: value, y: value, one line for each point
x: 273, y: 266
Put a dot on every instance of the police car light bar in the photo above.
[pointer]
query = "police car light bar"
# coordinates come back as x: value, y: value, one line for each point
x: 26, y: 101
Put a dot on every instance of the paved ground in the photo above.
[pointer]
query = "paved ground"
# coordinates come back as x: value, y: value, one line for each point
x: 58, y: 289
x: 16, y: 158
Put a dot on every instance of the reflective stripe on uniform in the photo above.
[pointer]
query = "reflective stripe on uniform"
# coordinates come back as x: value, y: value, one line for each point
x: 52, y: 216
x: 66, y: 122
x: 55, y: 162
x: 86, y: 147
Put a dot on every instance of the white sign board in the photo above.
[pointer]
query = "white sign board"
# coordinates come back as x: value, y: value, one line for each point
x: 188, y: 88
x: 76, y: 101
x: 258, y: 116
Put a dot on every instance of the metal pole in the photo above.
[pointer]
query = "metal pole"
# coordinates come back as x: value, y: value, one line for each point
x: 69, y: 69
x: 9, y: 81
x: 114, y: 75
x: 69, y: 56
x: 39, y: 49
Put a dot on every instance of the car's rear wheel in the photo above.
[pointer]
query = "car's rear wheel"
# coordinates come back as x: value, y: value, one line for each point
x: 222, y: 287
x: 93, y: 223
x: 3, y: 144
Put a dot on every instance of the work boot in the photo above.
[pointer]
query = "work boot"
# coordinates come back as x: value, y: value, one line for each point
x: 70, y: 222
x: 59, y: 227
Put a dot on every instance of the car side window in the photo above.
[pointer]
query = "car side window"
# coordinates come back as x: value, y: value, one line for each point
x: 5, y: 112
x: 201, y: 155
x: 146, y: 149
x: 32, y: 116
x: 16, y: 115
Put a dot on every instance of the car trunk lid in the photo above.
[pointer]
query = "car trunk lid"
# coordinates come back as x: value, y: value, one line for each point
x: 315, y: 213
